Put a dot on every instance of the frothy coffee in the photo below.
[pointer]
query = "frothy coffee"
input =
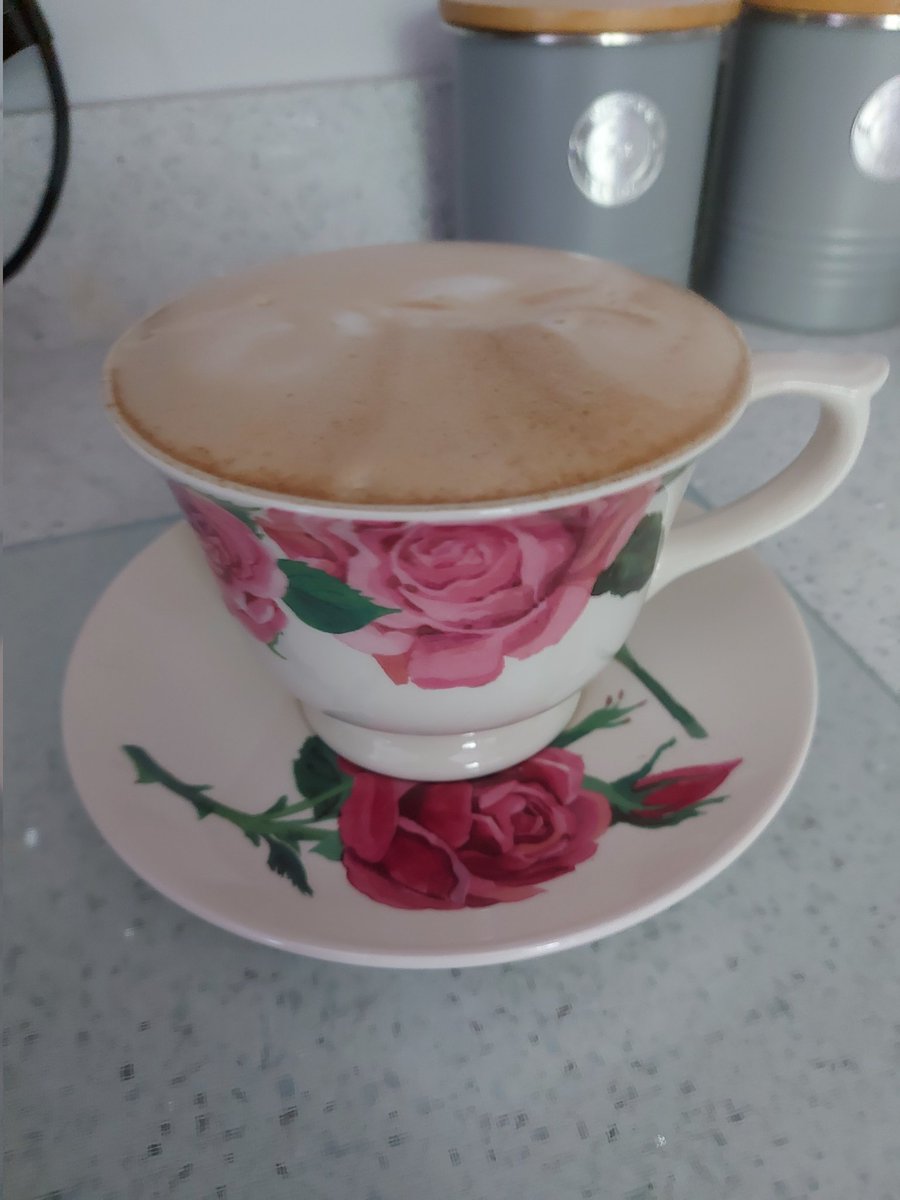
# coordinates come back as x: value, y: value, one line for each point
x: 442, y: 372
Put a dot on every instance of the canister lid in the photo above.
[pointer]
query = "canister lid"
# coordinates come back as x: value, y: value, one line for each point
x: 586, y: 18
x: 848, y: 8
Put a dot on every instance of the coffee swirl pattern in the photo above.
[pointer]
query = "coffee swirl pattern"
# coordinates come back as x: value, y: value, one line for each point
x: 436, y: 373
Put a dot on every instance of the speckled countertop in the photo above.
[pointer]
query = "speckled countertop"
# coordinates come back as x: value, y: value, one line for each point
x: 744, y: 1045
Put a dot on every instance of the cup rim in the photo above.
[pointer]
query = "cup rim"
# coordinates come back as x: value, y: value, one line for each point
x: 247, y: 496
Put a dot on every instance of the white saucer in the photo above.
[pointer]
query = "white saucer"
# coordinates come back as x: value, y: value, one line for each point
x: 160, y: 665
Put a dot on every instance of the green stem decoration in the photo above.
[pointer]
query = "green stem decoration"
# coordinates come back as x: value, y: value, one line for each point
x: 604, y: 718
x: 686, y: 720
x: 313, y: 801
x: 269, y: 823
x: 272, y: 826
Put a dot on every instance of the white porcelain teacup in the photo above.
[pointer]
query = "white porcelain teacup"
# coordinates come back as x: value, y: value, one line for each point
x: 443, y: 641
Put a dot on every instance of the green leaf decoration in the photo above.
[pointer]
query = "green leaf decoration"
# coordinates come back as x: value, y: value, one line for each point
x: 315, y: 767
x: 326, y: 603
x: 330, y: 846
x: 286, y: 862
x: 319, y: 778
x: 654, y: 822
x: 632, y: 569
x: 330, y: 806
x: 685, y: 719
x: 677, y: 817
x: 244, y: 515
x: 603, y: 718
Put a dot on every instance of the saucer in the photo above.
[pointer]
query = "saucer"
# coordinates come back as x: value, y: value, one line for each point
x: 199, y: 772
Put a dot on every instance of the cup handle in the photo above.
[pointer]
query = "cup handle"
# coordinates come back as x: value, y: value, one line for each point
x: 843, y: 384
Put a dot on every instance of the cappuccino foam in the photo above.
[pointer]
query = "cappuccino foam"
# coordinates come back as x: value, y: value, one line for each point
x: 442, y: 372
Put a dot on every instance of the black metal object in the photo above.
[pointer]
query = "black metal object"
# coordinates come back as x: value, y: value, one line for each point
x: 23, y: 26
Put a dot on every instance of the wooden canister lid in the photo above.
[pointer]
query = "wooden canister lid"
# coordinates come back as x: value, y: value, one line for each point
x: 586, y: 18
x: 844, y: 8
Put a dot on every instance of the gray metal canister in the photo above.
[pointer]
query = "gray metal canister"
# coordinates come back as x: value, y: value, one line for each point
x: 585, y: 126
x: 804, y: 212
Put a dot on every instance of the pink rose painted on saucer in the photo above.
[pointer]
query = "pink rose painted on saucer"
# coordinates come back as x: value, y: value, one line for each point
x: 438, y: 606
x: 472, y: 843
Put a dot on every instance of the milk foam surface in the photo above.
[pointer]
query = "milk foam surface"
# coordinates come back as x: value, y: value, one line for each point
x: 441, y: 372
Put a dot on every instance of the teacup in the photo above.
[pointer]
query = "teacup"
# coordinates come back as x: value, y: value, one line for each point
x: 446, y: 640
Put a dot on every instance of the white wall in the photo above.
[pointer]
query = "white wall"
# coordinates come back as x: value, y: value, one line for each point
x: 122, y: 49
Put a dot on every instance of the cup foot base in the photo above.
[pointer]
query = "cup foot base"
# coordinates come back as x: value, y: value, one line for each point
x: 442, y: 756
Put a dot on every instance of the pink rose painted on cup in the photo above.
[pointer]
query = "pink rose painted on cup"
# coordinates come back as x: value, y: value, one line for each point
x: 473, y: 843
x: 307, y: 539
x: 457, y: 599
x: 250, y: 580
